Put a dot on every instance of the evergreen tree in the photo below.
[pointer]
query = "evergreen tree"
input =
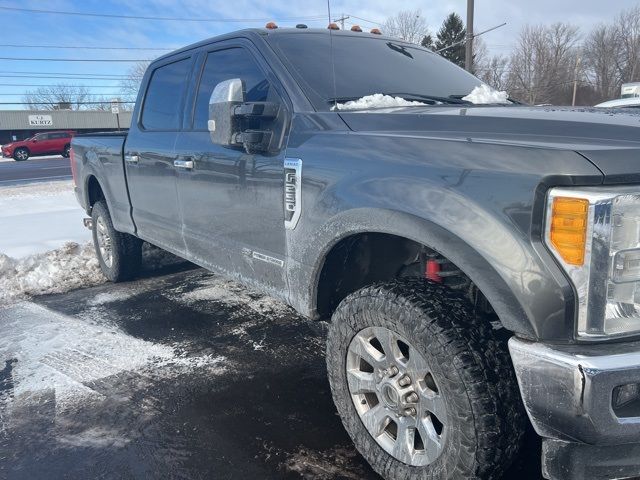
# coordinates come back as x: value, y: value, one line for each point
x: 427, y: 41
x: 452, y: 32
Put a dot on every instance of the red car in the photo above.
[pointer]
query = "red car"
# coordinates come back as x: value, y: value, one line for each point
x: 46, y: 143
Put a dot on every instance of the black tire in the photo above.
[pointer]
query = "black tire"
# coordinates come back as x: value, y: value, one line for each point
x: 21, y: 154
x: 126, y: 250
x: 65, y: 152
x: 470, y: 366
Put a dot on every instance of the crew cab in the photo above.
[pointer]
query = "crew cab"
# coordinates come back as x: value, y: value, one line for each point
x: 45, y: 143
x: 479, y: 263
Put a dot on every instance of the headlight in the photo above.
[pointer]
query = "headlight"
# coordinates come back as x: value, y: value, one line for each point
x: 595, y: 235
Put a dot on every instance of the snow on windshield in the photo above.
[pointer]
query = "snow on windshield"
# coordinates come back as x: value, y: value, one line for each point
x: 377, y: 100
x: 484, y: 94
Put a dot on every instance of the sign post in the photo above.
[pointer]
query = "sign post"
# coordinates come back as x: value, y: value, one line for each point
x: 115, y: 109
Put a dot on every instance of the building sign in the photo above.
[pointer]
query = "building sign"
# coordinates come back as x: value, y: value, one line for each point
x: 40, y: 120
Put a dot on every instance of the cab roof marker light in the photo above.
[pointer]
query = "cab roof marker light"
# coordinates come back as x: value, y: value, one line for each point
x: 271, y: 26
x: 376, y: 31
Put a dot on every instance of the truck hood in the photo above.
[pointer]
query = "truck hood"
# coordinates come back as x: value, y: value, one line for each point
x: 610, y: 139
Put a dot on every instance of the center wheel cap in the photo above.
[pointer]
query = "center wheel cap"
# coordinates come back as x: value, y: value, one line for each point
x: 390, y: 397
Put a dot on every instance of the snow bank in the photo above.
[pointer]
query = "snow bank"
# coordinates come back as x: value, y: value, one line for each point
x: 484, y: 94
x: 69, y: 267
x: 377, y: 100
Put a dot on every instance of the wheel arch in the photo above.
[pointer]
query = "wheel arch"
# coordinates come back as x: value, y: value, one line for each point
x: 408, y: 228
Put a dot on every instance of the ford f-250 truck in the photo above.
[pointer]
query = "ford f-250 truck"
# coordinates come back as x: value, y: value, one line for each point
x: 480, y: 263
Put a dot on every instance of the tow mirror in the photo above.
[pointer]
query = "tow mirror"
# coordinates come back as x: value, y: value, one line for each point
x: 236, y: 123
x: 223, y: 125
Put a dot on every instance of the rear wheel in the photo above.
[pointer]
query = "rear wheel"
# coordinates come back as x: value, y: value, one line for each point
x: 65, y: 152
x: 119, y: 254
x: 424, y: 391
x: 20, y: 154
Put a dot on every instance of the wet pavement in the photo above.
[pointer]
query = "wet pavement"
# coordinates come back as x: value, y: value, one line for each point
x: 177, y: 375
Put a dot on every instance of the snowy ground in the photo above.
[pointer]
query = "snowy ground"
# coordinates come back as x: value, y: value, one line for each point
x: 39, y: 217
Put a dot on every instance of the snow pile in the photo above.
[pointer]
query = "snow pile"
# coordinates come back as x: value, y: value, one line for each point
x: 484, y: 94
x: 377, y: 100
x: 69, y: 267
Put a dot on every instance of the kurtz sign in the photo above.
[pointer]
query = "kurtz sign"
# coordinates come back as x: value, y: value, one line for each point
x: 40, y: 120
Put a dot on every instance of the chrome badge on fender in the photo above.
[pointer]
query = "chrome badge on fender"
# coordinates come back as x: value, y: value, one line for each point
x: 292, y: 192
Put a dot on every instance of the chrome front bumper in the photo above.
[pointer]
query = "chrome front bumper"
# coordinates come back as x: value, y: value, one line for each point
x: 567, y: 391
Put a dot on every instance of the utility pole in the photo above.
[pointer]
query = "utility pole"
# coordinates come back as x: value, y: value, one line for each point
x: 575, y: 80
x: 468, y: 61
x: 341, y: 20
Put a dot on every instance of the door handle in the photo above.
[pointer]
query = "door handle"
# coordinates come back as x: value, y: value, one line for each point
x: 186, y: 164
x: 131, y: 159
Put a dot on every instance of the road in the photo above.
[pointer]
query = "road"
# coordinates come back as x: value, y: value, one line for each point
x: 179, y: 374
x: 34, y: 170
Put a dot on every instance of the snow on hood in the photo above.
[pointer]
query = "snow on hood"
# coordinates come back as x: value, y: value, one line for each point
x: 377, y: 100
x: 484, y: 94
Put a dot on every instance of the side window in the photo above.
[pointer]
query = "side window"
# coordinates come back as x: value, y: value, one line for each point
x: 161, y: 109
x: 42, y: 136
x: 224, y: 65
x: 53, y: 136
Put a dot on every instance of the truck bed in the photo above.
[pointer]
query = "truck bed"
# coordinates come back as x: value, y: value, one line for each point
x: 100, y: 155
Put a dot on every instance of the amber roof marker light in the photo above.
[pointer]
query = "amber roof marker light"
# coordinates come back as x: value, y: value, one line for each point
x: 376, y: 31
x: 333, y: 26
x: 271, y: 26
x: 356, y: 28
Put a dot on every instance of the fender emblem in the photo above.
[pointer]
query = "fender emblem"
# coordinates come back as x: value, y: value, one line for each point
x: 292, y: 192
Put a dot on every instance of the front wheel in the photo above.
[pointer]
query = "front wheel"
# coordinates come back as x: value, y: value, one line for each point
x: 119, y: 254
x: 424, y: 391
x: 21, y: 154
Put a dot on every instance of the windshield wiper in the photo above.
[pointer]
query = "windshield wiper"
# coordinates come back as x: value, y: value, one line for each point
x: 451, y: 99
x: 426, y: 99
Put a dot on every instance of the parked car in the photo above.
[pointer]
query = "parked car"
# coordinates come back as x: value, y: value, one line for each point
x: 45, y: 143
x: 478, y: 262
x: 631, y: 102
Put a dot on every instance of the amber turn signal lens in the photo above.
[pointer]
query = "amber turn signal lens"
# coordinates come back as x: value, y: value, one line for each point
x: 568, y: 233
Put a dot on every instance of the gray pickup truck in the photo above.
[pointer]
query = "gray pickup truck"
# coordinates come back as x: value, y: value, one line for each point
x: 480, y: 264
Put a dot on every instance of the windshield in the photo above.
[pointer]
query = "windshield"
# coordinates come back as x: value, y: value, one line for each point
x: 367, y: 65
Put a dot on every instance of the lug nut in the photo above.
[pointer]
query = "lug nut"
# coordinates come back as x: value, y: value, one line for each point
x: 412, y: 397
x: 393, y: 371
x: 404, y: 381
x: 411, y: 412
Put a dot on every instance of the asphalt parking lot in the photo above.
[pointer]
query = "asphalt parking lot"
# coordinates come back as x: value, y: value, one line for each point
x: 179, y: 374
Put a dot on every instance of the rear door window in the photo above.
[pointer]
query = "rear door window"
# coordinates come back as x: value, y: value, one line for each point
x: 162, y: 104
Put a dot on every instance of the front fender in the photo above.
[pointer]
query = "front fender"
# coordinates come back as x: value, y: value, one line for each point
x: 478, y: 204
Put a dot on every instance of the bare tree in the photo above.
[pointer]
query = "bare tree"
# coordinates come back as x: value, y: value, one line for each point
x: 409, y: 25
x: 602, y: 61
x: 131, y: 84
x: 542, y: 66
x: 494, y: 71
x: 627, y: 41
x: 58, y: 97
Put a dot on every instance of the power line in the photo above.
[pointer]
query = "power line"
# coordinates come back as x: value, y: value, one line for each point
x: 64, y: 73
x: 166, y: 19
x: 52, y: 85
x: 79, y: 47
x: 365, y: 20
x: 53, y: 77
x: 63, y: 101
x: 4, y: 94
x: 75, y: 59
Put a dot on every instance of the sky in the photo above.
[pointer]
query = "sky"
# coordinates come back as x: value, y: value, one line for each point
x: 49, y: 29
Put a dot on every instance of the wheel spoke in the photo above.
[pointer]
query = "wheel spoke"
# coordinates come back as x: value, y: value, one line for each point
x: 430, y: 439
x: 389, y: 343
x: 403, y: 448
x: 363, y: 349
x: 376, y: 420
x: 360, y: 382
x: 433, y: 403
